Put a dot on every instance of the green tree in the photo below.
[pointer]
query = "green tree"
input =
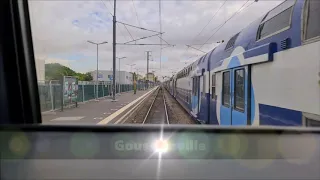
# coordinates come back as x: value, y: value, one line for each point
x: 56, y: 71
x: 87, y: 77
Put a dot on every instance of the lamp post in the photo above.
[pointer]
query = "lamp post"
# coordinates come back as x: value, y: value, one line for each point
x: 131, y: 66
x: 97, y: 82
x: 119, y: 72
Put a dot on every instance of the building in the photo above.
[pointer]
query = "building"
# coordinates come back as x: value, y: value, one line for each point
x: 150, y: 77
x: 106, y: 75
x: 139, y: 77
x: 40, y: 68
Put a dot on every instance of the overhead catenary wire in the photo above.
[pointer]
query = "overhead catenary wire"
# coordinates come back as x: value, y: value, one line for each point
x: 162, y: 39
x: 214, y: 15
x: 125, y: 24
x: 221, y: 25
x: 128, y: 32
x: 139, y: 44
x: 124, y: 37
x: 141, y: 38
x: 137, y: 27
x: 134, y: 7
x: 106, y: 7
x: 196, y: 49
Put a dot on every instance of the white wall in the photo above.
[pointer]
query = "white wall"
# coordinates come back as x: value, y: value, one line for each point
x: 291, y: 80
x: 125, y: 77
x: 40, y: 68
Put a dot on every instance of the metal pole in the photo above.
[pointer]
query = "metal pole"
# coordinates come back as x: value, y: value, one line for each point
x: 51, y: 95
x: 160, y: 34
x: 147, y: 69
x: 83, y: 99
x: 119, y: 78
x: 97, y: 82
x: 114, y: 52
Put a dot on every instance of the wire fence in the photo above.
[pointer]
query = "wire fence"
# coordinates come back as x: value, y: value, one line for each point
x: 50, y: 92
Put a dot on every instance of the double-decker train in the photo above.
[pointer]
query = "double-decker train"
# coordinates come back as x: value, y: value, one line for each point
x: 267, y: 74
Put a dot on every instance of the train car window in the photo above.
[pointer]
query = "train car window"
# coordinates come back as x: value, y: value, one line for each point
x: 231, y: 42
x: 275, y: 24
x: 312, y: 123
x: 226, y: 89
x: 204, y: 85
x: 280, y: 8
x: 213, y: 86
x: 194, y: 86
x: 239, y: 92
x: 313, y: 23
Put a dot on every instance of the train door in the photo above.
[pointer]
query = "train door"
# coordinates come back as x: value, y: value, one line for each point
x: 234, y: 96
x: 201, y: 92
x: 175, y: 87
x: 195, y: 95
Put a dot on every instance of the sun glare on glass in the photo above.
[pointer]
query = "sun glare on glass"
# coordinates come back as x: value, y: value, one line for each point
x: 161, y: 146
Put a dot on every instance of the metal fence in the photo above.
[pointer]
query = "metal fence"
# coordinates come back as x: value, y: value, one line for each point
x: 50, y: 92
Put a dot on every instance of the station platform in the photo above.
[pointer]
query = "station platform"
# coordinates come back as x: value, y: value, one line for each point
x: 95, y: 112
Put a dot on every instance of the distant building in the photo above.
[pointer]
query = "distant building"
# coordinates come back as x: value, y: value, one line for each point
x: 106, y: 75
x: 150, y: 77
x: 139, y: 77
x: 40, y: 68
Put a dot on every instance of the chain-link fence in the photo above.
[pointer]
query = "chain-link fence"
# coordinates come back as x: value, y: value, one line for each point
x: 50, y: 92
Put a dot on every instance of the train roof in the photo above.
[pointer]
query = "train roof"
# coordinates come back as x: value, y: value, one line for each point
x: 246, y: 42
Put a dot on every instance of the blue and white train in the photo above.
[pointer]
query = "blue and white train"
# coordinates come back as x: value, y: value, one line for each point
x: 267, y: 74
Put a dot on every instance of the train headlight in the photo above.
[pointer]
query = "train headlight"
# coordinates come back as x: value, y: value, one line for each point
x: 161, y: 146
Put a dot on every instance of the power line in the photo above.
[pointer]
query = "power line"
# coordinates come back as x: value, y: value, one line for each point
x: 163, y: 39
x: 124, y: 37
x: 140, y: 44
x: 220, y: 26
x: 141, y: 38
x: 106, y: 7
x: 134, y: 7
x: 112, y: 15
x: 195, y: 48
x: 210, y: 20
x: 128, y: 31
x: 110, y: 3
x: 206, y: 25
x: 137, y: 27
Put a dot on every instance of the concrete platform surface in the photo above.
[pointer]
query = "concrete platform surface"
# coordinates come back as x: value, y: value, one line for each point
x: 91, y: 112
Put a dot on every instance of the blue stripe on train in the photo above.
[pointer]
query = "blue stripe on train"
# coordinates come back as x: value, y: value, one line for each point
x: 277, y: 116
x: 204, y: 109
x: 213, y: 112
x: 184, y: 104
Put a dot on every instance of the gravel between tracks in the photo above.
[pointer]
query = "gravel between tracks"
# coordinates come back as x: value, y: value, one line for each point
x: 177, y: 115
x: 138, y: 115
x: 157, y: 113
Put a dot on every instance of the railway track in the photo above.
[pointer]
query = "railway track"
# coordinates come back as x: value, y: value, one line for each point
x: 157, y: 112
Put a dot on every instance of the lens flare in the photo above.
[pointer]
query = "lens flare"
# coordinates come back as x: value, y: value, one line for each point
x: 161, y: 146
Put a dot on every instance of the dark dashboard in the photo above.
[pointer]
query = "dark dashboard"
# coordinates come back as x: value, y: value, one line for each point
x: 158, y: 152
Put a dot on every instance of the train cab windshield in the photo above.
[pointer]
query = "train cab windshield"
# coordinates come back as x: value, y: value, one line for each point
x: 126, y: 81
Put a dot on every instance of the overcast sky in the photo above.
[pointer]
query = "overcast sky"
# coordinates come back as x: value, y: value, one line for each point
x: 61, y: 30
